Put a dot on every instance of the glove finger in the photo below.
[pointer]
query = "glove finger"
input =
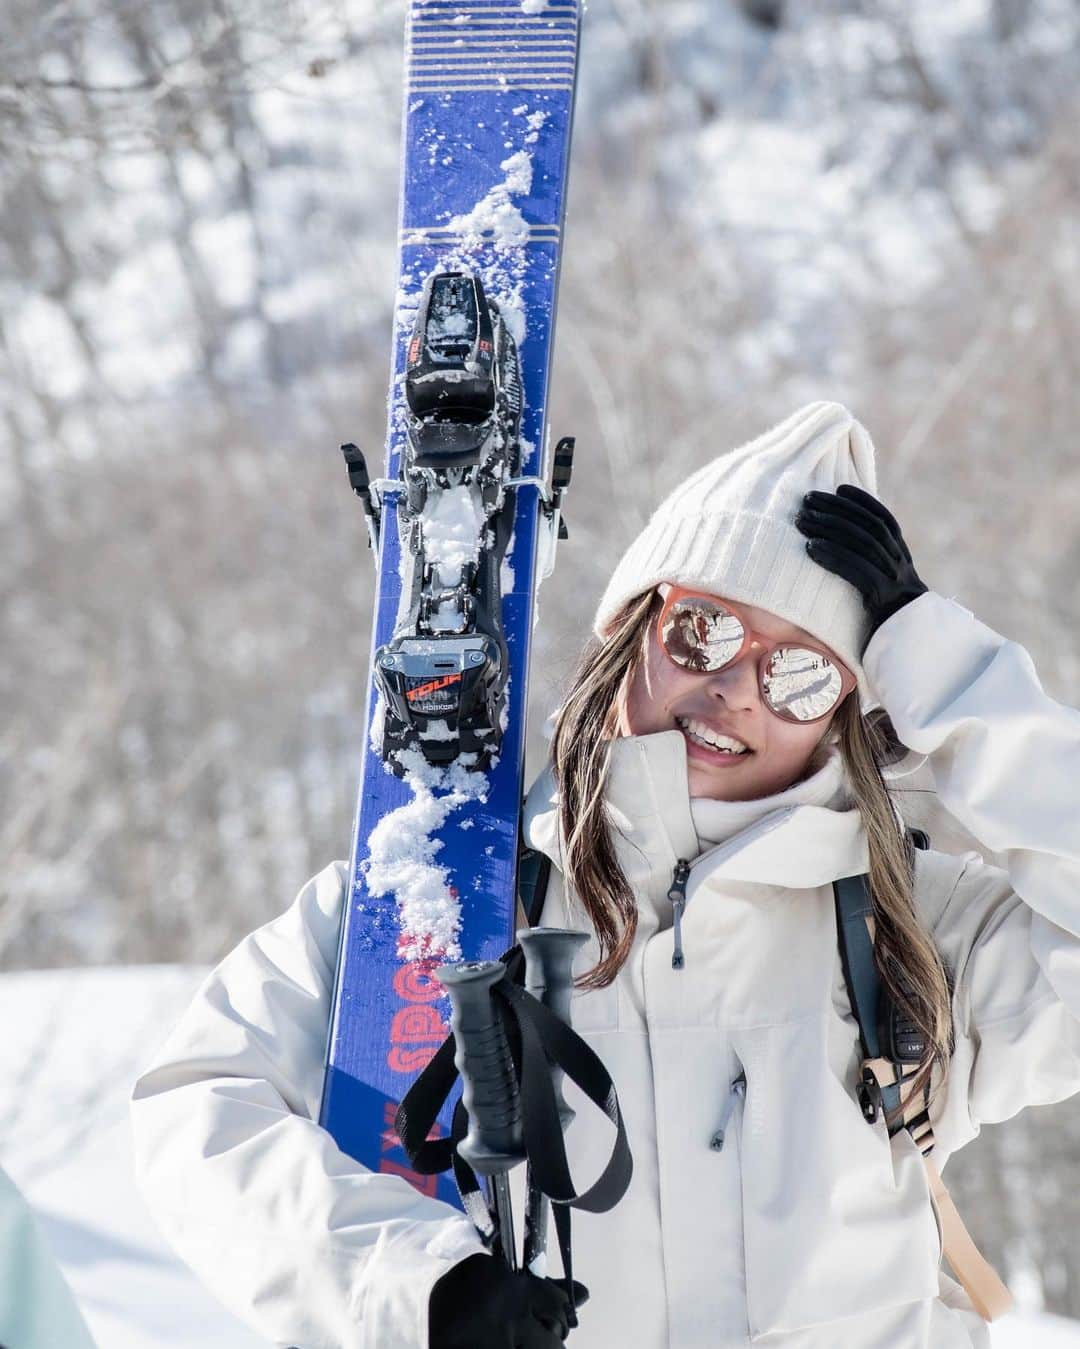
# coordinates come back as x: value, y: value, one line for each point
x: 536, y: 1336
x: 848, y: 534
x: 849, y: 492
x: 846, y: 564
x: 548, y: 1302
x: 581, y: 1294
x: 834, y: 508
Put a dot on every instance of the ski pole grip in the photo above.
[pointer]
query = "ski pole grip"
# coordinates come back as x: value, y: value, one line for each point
x: 549, y: 959
x: 494, y: 1142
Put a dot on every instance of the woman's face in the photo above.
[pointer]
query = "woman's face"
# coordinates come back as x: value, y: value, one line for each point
x: 662, y: 696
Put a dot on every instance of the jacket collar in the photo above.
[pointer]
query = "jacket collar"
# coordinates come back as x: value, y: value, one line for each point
x: 648, y: 794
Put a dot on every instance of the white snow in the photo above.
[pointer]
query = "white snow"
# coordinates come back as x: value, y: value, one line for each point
x: 1035, y: 1331
x: 378, y: 721
x: 452, y: 523
x: 74, y: 1041
x: 496, y: 212
x: 535, y: 121
x: 506, y: 571
x: 402, y: 853
x: 440, y: 730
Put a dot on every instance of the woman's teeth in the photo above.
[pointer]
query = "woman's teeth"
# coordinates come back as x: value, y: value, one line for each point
x: 705, y: 735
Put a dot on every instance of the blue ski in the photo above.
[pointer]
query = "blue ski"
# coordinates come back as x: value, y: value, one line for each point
x: 464, y: 526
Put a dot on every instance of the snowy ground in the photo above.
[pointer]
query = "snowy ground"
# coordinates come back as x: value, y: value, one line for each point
x: 73, y: 1043
x: 74, y: 1040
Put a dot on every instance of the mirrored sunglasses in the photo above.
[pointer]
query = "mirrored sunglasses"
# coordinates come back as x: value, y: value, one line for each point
x: 798, y: 682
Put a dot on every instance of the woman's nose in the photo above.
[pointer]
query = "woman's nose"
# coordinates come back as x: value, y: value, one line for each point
x: 737, y: 683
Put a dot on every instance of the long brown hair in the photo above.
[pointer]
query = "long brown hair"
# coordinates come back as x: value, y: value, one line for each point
x: 585, y: 726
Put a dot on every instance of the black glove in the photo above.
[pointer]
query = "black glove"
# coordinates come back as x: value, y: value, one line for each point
x: 480, y: 1304
x: 851, y: 533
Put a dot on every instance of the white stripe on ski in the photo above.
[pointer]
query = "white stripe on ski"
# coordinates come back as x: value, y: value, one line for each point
x: 426, y: 74
x: 463, y: 56
x: 499, y: 86
x: 555, y: 30
x: 425, y: 14
x: 485, y: 65
x: 529, y: 41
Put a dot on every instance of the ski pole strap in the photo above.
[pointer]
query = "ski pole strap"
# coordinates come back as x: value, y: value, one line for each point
x: 547, y: 1040
x: 538, y: 1039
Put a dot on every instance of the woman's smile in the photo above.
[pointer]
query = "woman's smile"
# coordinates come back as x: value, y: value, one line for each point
x: 711, y: 746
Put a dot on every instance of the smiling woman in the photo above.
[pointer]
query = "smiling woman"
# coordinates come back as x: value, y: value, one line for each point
x: 714, y: 774
x: 721, y: 831
x: 748, y: 690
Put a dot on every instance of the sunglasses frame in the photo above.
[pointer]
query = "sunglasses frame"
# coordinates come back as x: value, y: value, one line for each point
x: 676, y: 593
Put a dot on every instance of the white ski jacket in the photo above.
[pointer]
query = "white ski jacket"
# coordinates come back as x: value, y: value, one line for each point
x: 809, y: 1228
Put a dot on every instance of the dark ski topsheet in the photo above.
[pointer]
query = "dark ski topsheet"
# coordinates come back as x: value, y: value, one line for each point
x: 488, y: 107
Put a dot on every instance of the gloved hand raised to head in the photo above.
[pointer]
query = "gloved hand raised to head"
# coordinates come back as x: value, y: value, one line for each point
x: 851, y: 533
x: 481, y: 1304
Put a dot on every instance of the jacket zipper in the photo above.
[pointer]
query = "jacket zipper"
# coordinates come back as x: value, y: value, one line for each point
x: 738, y: 1088
x: 679, y: 876
x: 677, y: 895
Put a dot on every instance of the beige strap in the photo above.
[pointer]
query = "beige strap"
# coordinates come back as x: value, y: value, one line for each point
x: 980, y: 1281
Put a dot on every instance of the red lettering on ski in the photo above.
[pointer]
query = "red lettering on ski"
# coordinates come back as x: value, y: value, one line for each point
x: 413, y: 982
x: 417, y: 1024
x: 432, y: 686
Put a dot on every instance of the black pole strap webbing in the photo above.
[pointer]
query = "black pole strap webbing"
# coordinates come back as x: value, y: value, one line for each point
x: 419, y: 1109
x: 546, y: 1040
x: 538, y: 1039
x: 560, y: 1214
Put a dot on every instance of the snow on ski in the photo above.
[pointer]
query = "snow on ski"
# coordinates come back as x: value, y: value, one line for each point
x: 462, y: 537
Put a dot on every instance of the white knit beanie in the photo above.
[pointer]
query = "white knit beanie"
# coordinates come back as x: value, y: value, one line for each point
x: 730, y: 529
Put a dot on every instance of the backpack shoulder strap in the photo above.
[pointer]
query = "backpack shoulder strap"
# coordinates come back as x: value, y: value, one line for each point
x: 534, y: 869
x: 854, y: 916
x: 889, y: 1041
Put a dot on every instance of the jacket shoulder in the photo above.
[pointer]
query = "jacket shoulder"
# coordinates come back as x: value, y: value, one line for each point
x: 937, y: 875
x: 540, y: 817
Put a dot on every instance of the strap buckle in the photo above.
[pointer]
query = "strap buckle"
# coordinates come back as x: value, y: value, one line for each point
x: 868, y: 1091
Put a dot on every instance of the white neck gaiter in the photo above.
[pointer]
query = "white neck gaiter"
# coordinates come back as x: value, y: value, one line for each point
x: 717, y: 821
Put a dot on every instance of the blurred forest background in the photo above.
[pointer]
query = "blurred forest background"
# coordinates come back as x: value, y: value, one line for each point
x: 770, y: 202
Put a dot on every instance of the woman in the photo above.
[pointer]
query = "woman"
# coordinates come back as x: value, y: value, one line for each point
x: 713, y: 750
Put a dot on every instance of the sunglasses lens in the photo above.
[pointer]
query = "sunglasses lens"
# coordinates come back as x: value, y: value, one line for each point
x: 700, y: 634
x: 800, y: 684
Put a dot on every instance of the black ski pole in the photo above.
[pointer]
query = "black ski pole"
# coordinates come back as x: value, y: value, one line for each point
x: 549, y: 957
x: 493, y: 1145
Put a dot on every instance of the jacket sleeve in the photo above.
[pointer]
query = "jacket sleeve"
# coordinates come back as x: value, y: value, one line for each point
x: 1005, y: 761
x: 299, y: 1240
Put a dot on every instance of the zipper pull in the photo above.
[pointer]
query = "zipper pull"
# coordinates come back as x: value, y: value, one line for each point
x: 677, y: 895
x: 738, y: 1088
